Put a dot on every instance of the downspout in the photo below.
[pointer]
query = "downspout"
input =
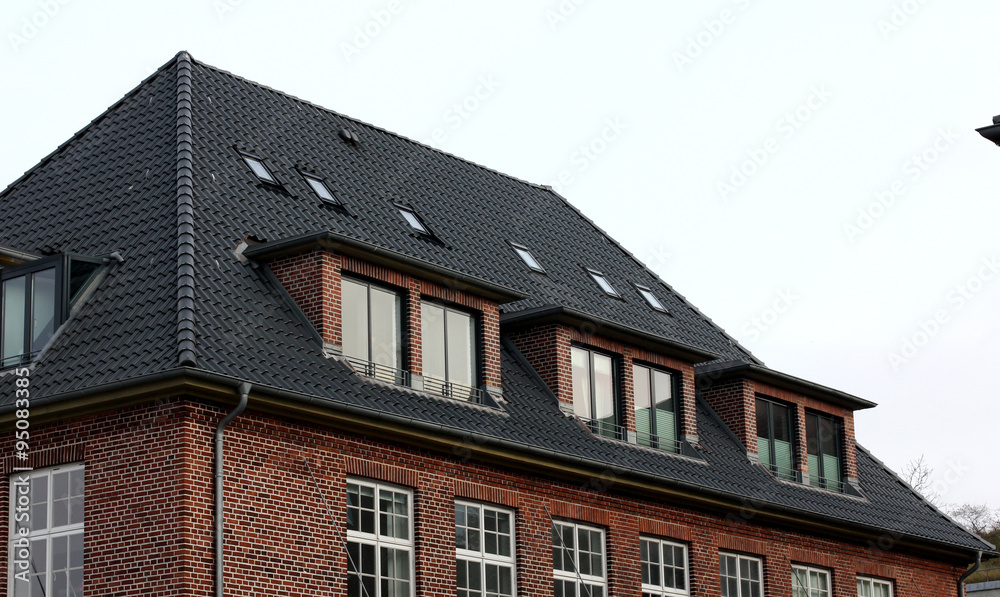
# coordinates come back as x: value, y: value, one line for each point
x: 244, y: 390
x: 968, y: 573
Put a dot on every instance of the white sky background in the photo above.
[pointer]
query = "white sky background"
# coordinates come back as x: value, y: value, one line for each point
x: 869, y: 99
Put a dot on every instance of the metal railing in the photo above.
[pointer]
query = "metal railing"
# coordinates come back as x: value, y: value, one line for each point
x: 380, y: 372
x: 617, y: 432
x: 403, y: 378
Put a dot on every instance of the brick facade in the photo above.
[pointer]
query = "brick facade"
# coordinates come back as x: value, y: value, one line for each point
x: 547, y: 349
x: 312, y: 279
x: 734, y: 400
x: 149, y: 512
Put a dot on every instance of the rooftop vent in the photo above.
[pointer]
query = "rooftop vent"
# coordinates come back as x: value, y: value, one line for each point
x: 349, y: 136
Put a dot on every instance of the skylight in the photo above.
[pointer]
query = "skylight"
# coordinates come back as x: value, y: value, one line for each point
x: 320, y: 188
x: 528, y: 258
x: 603, y: 283
x: 258, y: 167
x: 413, y: 220
x: 651, y: 298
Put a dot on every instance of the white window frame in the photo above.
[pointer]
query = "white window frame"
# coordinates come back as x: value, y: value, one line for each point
x: 481, y: 557
x: 661, y: 590
x: 808, y: 590
x: 574, y: 576
x: 739, y: 584
x: 872, y: 583
x: 48, y: 533
x: 378, y: 539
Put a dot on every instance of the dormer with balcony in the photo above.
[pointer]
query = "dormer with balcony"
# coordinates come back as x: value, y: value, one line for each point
x: 799, y: 431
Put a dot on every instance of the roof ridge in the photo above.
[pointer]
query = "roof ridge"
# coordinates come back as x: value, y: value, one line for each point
x: 185, y: 217
x: 45, y: 160
x: 368, y: 124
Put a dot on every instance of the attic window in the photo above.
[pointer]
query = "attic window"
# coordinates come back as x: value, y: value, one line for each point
x: 651, y: 298
x: 259, y: 169
x: 528, y: 258
x: 320, y: 188
x: 603, y: 283
x: 411, y: 218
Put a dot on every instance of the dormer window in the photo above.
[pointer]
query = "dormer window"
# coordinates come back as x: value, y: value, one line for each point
x: 650, y: 298
x: 372, y: 333
x: 259, y: 168
x: 448, y: 350
x: 412, y: 219
x: 774, y: 438
x: 603, y: 283
x: 527, y: 257
x: 34, y: 301
x: 322, y: 191
x: 823, y: 448
x: 594, y: 391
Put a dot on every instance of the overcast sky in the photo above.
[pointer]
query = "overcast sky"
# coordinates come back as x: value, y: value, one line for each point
x: 807, y: 174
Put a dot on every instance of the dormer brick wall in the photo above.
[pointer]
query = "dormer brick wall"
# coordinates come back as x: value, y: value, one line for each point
x: 312, y: 278
x: 547, y: 349
x: 734, y: 400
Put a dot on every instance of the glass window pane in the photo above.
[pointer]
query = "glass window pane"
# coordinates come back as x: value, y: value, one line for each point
x: 43, y: 309
x: 320, y: 189
x: 413, y: 220
x: 782, y: 422
x: 828, y: 436
x: 259, y: 169
x: 763, y: 418
x: 461, y: 348
x: 640, y: 384
x: 385, y: 343
x: 433, y: 341
x: 14, y: 306
x: 354, y: 316
x: 581, y: 382
x: 812, y: 434
x: 528, y: 258
x: 604, y: 389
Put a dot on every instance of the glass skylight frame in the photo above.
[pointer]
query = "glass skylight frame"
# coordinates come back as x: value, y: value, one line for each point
x: 259, y: 168
x: 415, y: 221
x: 527, y: 257
x: 651, y: 299
x: 603, y: 283
x: 319, y: 187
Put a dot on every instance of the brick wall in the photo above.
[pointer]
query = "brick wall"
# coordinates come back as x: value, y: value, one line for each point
x: 734, y: 400
x: 547, y: 349
x: 149, y: 513
x: 313, y: 281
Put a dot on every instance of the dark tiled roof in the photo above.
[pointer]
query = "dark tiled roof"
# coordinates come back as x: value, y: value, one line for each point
x: 114, y: 186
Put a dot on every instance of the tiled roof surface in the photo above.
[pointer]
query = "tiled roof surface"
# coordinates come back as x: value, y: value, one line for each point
x: 114, y: 187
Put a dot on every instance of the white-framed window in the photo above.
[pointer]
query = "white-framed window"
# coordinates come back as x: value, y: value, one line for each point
x: 873, y: 587
x: 664, y: 567
x: 810, y: 582
x: 740, y: 575
x: 379, y: 540
x: 46, y: 541
x: 484, y: 550
x: 578, y: 560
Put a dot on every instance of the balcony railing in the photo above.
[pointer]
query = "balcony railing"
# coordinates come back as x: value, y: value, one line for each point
x: 403, y: 378
x: 617, y: 432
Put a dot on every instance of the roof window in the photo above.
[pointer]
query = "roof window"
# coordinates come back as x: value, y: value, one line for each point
x: 259, y: 168
x: 651, y: 298
x: 321, y: 190
x: 411, y: 218
x: 528, y: 258
x: 603, y: 283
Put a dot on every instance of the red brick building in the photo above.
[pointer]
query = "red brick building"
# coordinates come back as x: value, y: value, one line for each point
x: 394, y: 373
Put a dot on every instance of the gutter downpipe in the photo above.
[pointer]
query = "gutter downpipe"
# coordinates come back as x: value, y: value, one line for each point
x: 968, y: 573
x: 244, y: 390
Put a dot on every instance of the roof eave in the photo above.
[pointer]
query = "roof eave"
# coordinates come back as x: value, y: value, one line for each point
x: 740, y: 369
x: 12, y: 256
x: 373, y: 253
x: 606, y: 328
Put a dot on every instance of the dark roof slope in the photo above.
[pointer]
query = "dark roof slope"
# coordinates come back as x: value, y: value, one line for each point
x: 115, y: 187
